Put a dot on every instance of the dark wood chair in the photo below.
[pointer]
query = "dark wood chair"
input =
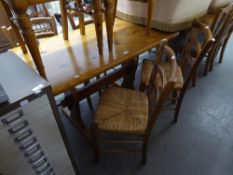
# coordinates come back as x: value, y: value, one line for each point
x: 128, y: 112
x: 221, y: 29
x: 186, y: 71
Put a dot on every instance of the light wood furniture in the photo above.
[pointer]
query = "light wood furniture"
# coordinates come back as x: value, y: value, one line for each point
x: 126, y: 112
x: 20, y: 7
x: 193, y: 51
x: 32, y: 136
x: 69, y: 63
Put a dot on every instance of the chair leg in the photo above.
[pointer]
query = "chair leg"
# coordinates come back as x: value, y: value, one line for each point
x: 142, y: 87
x: 97, y: 5
x: 144, y: 152
x: 81, y: 18
x: 206, y: 70
x: 174, y: 95
x: 215, y: 52
x: 109, y: 21
x: 89, y: 102
x: 223, y: 48
x: 194, y: 79
x: 95, y: 142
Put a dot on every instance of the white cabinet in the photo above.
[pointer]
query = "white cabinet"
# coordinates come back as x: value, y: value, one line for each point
x: 30, y: 141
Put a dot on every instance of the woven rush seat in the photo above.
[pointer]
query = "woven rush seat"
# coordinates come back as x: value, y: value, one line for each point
x: 122, y: 110
x: 147, y: 68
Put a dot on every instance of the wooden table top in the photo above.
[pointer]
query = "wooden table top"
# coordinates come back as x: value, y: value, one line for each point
x: 69, y: 63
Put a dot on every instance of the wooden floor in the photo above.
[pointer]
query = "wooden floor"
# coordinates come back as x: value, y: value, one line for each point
x: 68, y: 63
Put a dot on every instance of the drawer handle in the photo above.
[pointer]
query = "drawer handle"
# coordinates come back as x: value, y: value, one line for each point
x: 29, y: 143
x: 11, y: 119
x: 24, y: 135
x: 35, y: 157
x: 37, y: 160
x: 32, y: 150
x: 18, y: 128
x: 48, y: 172
x: 43, y: 168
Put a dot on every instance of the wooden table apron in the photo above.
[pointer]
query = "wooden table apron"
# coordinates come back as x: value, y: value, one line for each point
x: 70, y: 63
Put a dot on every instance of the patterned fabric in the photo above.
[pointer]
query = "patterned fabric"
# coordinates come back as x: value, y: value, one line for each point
x: 168, y: 15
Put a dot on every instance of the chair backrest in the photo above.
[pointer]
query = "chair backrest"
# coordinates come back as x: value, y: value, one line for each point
x: 223, y: 21
x: 196, y: 40
x: 39, y: 10
x: 44, y: 26
x: 163, y: 51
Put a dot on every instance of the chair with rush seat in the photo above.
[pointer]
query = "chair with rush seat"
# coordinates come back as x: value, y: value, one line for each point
x: 190, y: 56
x: 131, y: 113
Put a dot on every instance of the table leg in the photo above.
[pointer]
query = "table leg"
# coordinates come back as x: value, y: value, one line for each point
x: 129, y: 77
x: 28, y: 34
x: 64, y: 19
x: 150, y: 7
x: 80, y: 18
x: 109, y: 20
x: 97, y: 5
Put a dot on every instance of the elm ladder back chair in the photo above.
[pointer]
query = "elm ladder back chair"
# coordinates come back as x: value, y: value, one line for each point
x: 190, y: 57
x: 221, y: 32
x: 196, y: 41
x: 126, y: 112
x: 14, y: 27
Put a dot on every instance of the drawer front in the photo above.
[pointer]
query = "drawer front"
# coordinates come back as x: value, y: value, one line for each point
x: 31, y: 142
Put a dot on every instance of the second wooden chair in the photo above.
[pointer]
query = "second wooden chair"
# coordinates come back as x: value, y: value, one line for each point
x: 186, y: 71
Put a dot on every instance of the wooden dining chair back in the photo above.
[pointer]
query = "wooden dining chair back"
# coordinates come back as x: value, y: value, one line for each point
x: 44, y: 26
x: 221, y: 34
x: 196, y: 40
x: 222, y: 19
x: 208, y: 44
x: 126, y: 112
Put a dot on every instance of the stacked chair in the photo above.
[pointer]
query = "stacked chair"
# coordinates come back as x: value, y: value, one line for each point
x: 186, y: 71
x: 222, y: 28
